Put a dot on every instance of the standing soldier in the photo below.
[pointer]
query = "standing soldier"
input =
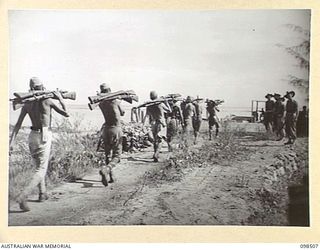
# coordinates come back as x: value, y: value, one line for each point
x: 268, y: 114
x: 111, y: 134
x: 173, y: 122
x: 302, y: 122
x: 291, y: 117
x: 279, y: 116
x: 156, y: 119
x: 196, y: 119
x: 39, y: 139
x: 213, y: 118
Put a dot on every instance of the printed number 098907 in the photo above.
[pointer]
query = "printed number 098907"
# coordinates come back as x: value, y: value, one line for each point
x: 309, y: 246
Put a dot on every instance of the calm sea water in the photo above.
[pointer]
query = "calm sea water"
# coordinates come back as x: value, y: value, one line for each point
x: 93, y: 119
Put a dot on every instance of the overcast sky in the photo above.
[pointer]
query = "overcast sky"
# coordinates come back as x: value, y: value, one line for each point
x: 230, y: 55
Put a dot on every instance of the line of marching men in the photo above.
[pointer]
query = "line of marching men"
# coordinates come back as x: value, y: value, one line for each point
x: 282, y: 119
x: 38, y: 104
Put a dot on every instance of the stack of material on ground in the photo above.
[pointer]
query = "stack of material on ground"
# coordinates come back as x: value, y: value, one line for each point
x: 135, y: 137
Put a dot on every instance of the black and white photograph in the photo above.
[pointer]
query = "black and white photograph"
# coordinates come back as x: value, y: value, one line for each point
x: 158, y: 117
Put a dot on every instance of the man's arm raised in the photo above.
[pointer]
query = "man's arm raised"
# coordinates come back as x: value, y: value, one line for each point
x: 59, y: 97
x: 166, y: 107
x: 121, y: 110
x: 57, y: 109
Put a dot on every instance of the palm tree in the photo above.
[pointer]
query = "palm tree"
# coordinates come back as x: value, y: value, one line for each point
x: 301, y: 53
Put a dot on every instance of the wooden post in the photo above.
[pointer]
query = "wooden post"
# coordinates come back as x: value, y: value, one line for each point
x: 131, y: 118
x: 136, y: 115
x: 139, y: 114
x: 252, y: 115
x: 142, y: 116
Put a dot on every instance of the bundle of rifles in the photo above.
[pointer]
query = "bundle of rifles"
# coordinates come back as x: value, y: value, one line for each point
x: 128, y: 96
x: 36, y: 95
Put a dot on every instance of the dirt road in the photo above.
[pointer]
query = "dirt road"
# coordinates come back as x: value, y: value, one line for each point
x: 210, y: 194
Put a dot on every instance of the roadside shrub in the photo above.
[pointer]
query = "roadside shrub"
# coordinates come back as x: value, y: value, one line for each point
x: 73, y: 154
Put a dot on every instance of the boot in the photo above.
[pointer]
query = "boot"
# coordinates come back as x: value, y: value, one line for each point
x: 288, y: 142
x: 111, y: 177
x: 103, y: 178
x: 23, y: 204
x: 43, y: 197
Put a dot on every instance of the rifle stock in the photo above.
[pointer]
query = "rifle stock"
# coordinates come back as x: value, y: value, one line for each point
x: 17, y: 105
x: 69, y: 95
x: 92, y: 106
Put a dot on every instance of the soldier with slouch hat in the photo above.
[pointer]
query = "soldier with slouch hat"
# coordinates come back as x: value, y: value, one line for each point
x: 279, y: 116
x: 268, y: 114
x: 291, y: 117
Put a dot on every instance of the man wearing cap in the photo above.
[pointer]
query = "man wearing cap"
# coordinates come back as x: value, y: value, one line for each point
x: 213, y: 118
x: 173, y: 122
x: 157, y: 122
x: 268, y: 114
x: 196, y: 119
x: 279, y: 116
x: 189, y: 112
x: 291, y: 117
x: 39, y: 139
x: 111, y: 134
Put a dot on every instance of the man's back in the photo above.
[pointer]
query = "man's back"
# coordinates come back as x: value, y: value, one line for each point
x: 189, y: 110
x: 176, y: 112
x: 39, y: 112
x: 211, y: 110
x: 112, y: 112
x: 155, y: 112
x: 197, y: 110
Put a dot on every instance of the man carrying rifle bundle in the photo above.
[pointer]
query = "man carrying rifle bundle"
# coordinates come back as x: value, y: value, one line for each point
x: 213, y: 120
x: 174, y: 119
x: 156, y: 119
x: 111, y: 134
x: 40, y: 138
x: 197, y: 118
x: 189, y: 112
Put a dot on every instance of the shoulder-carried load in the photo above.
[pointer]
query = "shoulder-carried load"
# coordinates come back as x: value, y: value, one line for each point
x: 34, y: 95
x: 197, y: 99
x: 128, y: 95
x: 176, y: 97
x: 216, y: 102
x: 162, y: 99
x: 153, y: 102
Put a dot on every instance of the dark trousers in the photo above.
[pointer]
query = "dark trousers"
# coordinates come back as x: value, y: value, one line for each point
x: 291, y: 126
x: 112, y: 137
